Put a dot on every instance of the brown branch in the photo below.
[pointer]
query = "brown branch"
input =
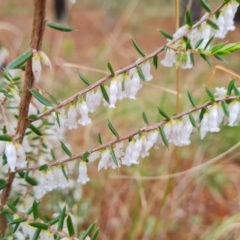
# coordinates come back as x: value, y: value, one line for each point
x: 130, y: 135
x: 36, y: 42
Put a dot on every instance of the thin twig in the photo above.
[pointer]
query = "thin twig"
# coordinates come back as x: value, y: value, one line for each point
x: 131, y: 135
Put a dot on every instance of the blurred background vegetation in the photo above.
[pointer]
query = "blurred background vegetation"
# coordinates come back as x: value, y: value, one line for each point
x: 198, y: 204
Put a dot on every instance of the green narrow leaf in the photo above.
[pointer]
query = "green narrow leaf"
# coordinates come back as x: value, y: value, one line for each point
x: 225, y: 108
x: 202, y: 112
x: 3, y: 183
x: 18, y: 220
x: 85, y: 156
x: 64, y: 172
x: 40, y: 98
x: 95, y: 234
x: 190, y: 96
x: 60, y: 27
x: 155, y: 61
x: 163, y: 136
x: 140, y: 74
x: 236, y: 92
x: 89, y: 229
x: 198, y: 43
x: 212, y: 24
x: 192, y: 120
x: 113, y: 156
x: 140, y: 51
x: 65, y: 149
x: 35, y: 210
x: 53, y: 155
x: 163, y: 113
x: 35, y: 130
x: 166, y: 35
x: 188, y: 18
x: 61, y: 219
x: 104, y: 93
x: 28, y: 179
x: 192, y: 59
x: 36, y: 234
x: 144, y: 117
x: 7, y: 75
x: 15, y: 202
x: 5, y: 138
x: 12, y: 207
x: 230, y: 87
x: 32, y: 117
x: 53, y: 221
x: 52, y: 98
x: 99, y: 138
x: 209, y: 93
x: 19, y: 61
x: 83, y: 79
x: 39, y: 225
x: 4, y: 212
x: 208, y: 42
x: 70, y: 226
x: 110, y: 68
x: 205, y: 5
x: 206, y: 58
x: 220, y: 58
x: 43, y: 167
x: 16, y: 227
x: 113, y: 130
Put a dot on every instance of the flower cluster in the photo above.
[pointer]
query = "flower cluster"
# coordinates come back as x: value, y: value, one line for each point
x: 204, y: 32
x: 122, y: 86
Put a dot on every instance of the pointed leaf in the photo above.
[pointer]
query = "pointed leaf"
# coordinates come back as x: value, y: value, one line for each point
x: 19, y: 61
x: 144, y: 117
x: 140, y: 51
x: 95, y: 234
x: 163, y: 113
x: 212, y: 24
x: 166, y: 35
x: 202, y: 112
x: 89, y: 229
x: 140, y: 74
x: 83, y: 79
x: 85, y: 156
x: 39, y: 225
x: 110, y: 68
x: 230, y: 87
x: 53, y: 155
x: 210, y: 94
x: 236, y: 92
x: 70, y: 226
x: 65, y: 149
x: 43, y: 167
x: 163, y: 136
x: 208, y: 42
x: 40, y: 98
x: 190, y: 96
x: 35, y: 210
x: 192, y: 120
x: 52, y: 98
x: 205, y: 5
x: 99, y: 138
x: 5, y: 138
x: 35, y: 130
x: 3, y: 184
x: 32, y: 117
x: 225, y: 108
x: 188, y: 18
x: 60, y: 27
x: 206, y: 58
x: 64, y: 172
x: 61, y: 219
x: 36, y: 234
x: 155, y: 61
x: 198, y: 43
x: 192, y: 59
x: 104, y: 93
x: 113, y: 156
x: 18, y: 220
x: 113, y: 130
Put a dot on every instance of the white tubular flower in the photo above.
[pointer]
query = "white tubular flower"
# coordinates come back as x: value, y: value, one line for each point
x: 83, y: 111
x: 126, y: 159
x: 135, y: 85
x: 207, y: 33
x: 186, y: 131
x: 46, y: 235
x: 152, y: 138
x: 120, y: 94
x: 45, y: 59
x: 220, y: 23
x: 112, y: 93
x: 144, y: 151
x: 93, y: 156
x: 2, y: 147
x: 170, y: 58
x: 187, y: 64
x: 213, y: 118
x: 60, y: 128
x: 228, y: 16
x: 83, y: 177
x: 21, y: 156
x: 36, y: 66
x: 146, y: 69
x: 138, y: 145
x: 59, y: 179
x: 234, y: 110
x: 181, y: 31
x: 11, y: 155
x: 90, y: 101
x: 204, y: 125
x: 167, y: 129
x: 105, y: 159
x: 72, y: 117
x: 220, y: 92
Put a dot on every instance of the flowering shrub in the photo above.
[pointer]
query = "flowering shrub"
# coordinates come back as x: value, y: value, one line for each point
x: 34, y: 123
